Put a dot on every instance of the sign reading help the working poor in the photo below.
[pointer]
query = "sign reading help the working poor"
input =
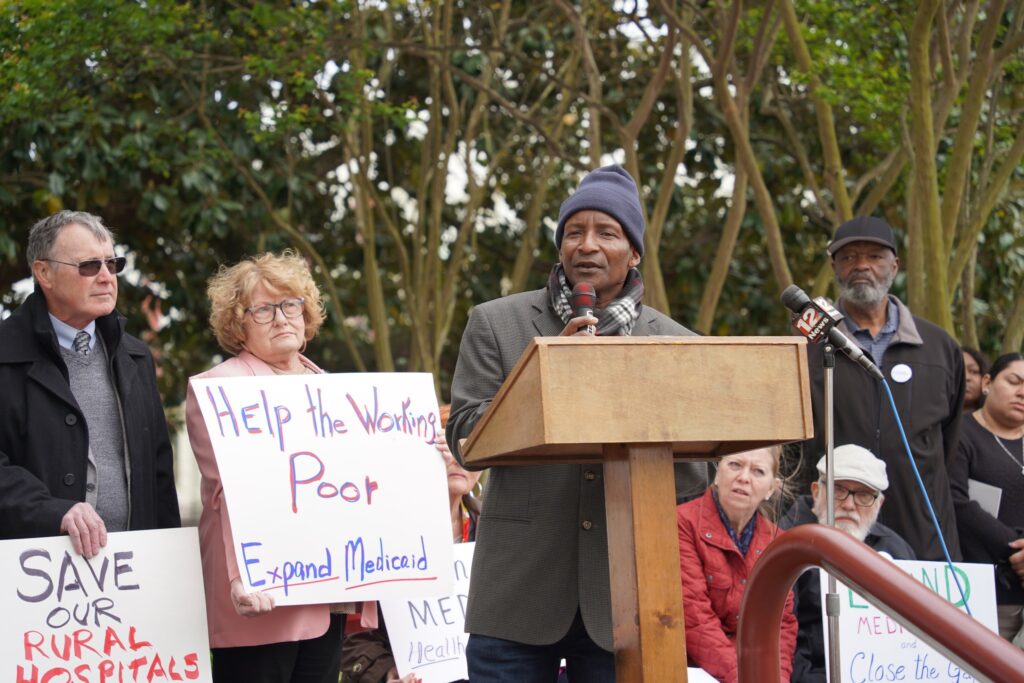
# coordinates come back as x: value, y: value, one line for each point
x: 335, y: 490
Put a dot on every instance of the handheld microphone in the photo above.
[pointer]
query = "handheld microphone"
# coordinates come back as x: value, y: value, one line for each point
x: 584, y: 298
x: 816, y: 320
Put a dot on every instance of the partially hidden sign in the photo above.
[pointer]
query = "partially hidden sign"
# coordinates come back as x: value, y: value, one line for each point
x: 876, y: 647
x: 427, y: 634
x: 335, y: 491
x: 133, y: 613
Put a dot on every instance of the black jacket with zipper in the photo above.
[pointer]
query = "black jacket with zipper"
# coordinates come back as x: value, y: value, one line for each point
x: 929, y: 403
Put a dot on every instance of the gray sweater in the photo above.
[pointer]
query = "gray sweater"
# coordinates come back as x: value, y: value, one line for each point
x: 107, y: 484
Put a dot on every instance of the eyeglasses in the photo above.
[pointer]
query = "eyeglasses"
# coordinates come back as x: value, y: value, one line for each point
x: 865, y: 499
x: 290, y: 308
x: 91, y: 268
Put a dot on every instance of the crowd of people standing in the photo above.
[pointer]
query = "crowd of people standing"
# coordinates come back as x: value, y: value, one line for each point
x: 84, y: 450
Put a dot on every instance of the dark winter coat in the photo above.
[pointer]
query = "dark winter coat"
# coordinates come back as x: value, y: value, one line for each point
x: 44, y: 440
x: 929, y: 404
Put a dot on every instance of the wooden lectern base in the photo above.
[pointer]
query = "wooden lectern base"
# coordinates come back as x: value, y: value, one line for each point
x: 643, y: 543
x: 755, y: 392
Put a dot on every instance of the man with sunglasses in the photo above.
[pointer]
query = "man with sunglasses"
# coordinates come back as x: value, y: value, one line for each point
x: 84, y: 447
x: 860, y: 479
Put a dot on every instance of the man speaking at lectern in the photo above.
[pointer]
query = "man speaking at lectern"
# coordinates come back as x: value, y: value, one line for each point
x: 540, y: 588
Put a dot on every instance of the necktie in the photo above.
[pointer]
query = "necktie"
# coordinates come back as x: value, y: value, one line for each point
x: 81, y: 343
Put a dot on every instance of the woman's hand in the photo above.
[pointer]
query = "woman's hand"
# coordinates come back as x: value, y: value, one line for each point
x: 249, y: 604
x: 392, y: 677
x: 442, y: 447
x: 1017, y: 558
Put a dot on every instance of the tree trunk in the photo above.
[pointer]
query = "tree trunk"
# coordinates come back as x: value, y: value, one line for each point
x: 925, y: 181
x: 723, y: 255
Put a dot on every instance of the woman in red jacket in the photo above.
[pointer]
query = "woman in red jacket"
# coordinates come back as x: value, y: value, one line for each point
x: 721, y: 536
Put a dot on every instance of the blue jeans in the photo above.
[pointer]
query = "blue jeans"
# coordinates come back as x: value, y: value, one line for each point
x: 493, y: 660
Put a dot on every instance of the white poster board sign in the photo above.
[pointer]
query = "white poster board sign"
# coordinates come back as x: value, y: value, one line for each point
x: 334, y: 489
x: 135, y: 612
x: 428, y: 633
x: 875, y: 647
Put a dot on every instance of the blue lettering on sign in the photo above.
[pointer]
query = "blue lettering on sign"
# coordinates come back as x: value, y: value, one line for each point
x: 298, y: 571
x: 866, y: 668
x: 249, y: 561
x: 358, y: 566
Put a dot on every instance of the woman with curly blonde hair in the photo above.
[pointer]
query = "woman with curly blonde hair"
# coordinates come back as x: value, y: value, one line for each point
x: 263, y: 311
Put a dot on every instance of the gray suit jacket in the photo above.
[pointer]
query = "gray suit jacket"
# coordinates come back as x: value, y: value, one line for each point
x: 535, y: 563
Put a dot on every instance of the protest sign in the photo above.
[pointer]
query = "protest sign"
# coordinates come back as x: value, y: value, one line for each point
x: 334, y: 489
x: 875, y: 647
x: 135, y: 612
x: 427, y: 633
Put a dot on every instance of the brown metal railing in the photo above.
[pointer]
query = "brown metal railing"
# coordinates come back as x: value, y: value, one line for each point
x: 954, y: 634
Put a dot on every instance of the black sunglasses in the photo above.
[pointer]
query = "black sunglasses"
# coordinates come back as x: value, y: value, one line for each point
x: 91, y: 267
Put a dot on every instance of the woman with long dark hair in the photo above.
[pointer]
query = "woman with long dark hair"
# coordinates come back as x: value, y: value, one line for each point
x: 990, y: 457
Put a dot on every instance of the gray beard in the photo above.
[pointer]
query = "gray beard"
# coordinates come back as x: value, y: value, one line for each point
x: 864, y: 295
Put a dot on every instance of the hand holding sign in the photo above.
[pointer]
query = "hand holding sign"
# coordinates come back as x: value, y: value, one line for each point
x: 118, y: 616
x: 249, y: 604
x: 1017, y: 558
x: 333, y: 489
x: 393, y: 677
x: 85, y: 527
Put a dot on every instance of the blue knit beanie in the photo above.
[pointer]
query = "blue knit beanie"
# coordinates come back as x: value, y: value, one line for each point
x: 611, y: 190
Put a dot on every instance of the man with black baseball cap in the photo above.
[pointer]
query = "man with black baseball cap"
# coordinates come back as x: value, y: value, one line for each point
x: 922, y: 365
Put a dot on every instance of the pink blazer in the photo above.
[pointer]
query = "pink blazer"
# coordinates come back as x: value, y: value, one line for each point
x: 227, y: 628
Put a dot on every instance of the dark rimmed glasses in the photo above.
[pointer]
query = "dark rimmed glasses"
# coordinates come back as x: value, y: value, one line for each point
x: 290, y: 308
x: 91, y: 268
x: 864, y: 499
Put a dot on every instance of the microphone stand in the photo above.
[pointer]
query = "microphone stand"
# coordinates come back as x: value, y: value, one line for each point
x: 832, y: 597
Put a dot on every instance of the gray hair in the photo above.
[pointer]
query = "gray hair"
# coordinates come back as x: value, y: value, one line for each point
x: 43, y: 234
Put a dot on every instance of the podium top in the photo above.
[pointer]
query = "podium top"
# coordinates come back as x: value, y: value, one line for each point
x: 567, y: 397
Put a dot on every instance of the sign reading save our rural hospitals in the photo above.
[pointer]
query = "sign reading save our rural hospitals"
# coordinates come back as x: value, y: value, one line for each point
x: 334, y: 488
x: 875, y: 648
x: 134, y: 613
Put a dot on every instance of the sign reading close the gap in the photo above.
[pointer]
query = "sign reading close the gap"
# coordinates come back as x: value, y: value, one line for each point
x: 876, y: 647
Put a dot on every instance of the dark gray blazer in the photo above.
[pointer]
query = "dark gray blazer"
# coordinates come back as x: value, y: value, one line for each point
x: 535, y: 563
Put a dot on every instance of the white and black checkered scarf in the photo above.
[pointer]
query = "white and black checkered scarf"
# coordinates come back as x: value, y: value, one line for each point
x: 617, y: 318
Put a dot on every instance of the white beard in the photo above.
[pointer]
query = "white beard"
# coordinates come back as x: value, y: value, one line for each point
x: 850, y: 524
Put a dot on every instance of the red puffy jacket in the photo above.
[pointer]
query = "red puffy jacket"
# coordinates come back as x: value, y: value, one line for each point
x: 714, y: 576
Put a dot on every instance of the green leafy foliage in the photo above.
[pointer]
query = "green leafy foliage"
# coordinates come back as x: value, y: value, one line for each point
x: 204, y: 132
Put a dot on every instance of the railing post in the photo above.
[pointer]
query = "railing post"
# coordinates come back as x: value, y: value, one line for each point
x: 954, y: 634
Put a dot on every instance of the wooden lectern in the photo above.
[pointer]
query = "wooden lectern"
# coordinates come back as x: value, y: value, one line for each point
x: 692, y: 398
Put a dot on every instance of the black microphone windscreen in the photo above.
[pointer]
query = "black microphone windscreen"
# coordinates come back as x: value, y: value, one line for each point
x: 794, y: 298
x: 584, y: 298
